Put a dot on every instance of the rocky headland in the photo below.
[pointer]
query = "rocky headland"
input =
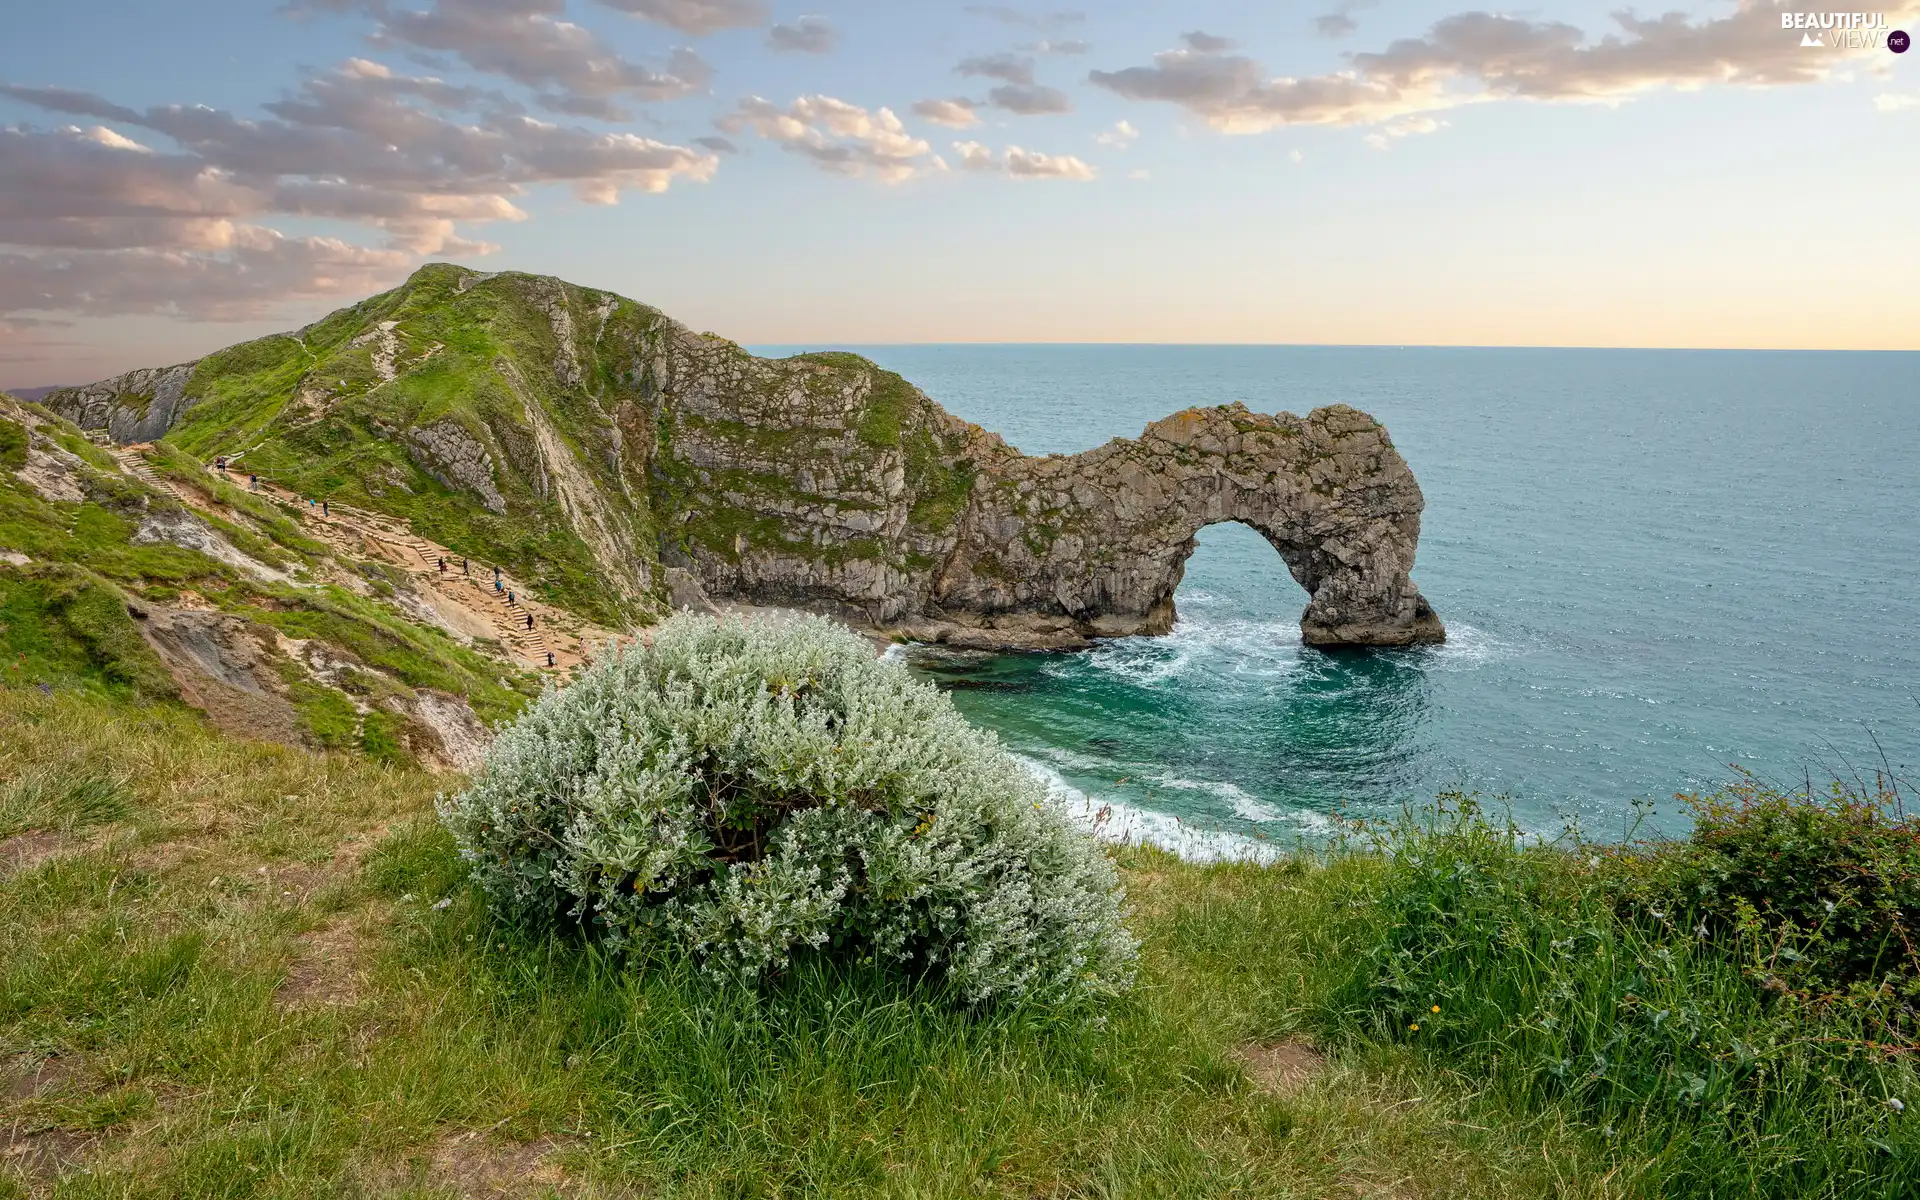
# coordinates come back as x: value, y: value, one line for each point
x: 629, y: 465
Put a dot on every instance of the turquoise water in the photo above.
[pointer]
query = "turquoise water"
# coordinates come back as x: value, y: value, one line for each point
x: 1653, y: 565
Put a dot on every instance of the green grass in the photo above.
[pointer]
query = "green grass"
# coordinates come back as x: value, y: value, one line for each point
x: 13, y: 444
x: 348, y: 452
x: 320, y: 1029
x: 63, y: 626
x: 256, y: 510
x: 41, y: 798
x: 340, y: 1022
x: 262, y: 972
x: 97, y: 533
x: 1556, y: 975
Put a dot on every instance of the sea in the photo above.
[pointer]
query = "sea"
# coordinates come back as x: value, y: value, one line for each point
x: 1658, y: 570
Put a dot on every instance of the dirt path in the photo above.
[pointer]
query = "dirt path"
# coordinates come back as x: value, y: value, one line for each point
x: 554, y: 640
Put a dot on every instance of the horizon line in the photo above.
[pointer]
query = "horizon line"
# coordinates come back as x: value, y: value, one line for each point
x: 804, y: 346
x: 1372, y: 346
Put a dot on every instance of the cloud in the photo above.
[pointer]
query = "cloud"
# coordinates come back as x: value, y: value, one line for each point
x: 1894, y: 102
x: 1122, y: 135
x: 1013, y: 16
x: 975, y: 157
x: 1028, y: 164
x: 262, y: 270
x: 808, y: 35
x: 1233, y: 94
x: 839, y: 137
x: 412, y: 159
x: 1556, y: 61
x: 1018, y: 93
x: 1022, y: 164
x: 1029, y: 100
x: 718, y: 145
x: 1403, y: 127
x: 527, y: 42
x: 1012, y: 68
x: 1065, y: 48
x: 697, y: 17
x: 1339, y: 22
x: 1294, y: 156
x: 1479, y: 56
x: 957, y: 113
x: 1207, y: 43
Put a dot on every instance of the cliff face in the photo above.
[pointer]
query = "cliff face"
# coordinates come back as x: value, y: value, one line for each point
x: 596, y: 446
x: 139, y: 406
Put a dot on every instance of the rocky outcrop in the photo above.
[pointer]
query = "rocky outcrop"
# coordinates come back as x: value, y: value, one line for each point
x: 223, y: 666
x: 949, y: 535
x: 139, y: 406
x: 176, y: 526
x: 457, y: 460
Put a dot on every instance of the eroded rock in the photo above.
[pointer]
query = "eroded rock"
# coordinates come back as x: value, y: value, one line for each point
x: 139, y: 406
x: 224, y: 666
x: 456, y: 458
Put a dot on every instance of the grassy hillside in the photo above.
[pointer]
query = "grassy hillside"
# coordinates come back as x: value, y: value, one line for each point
x: 323, y: 413
x: 92, y: 553
x: 581, y: 439
x: 229, y: 969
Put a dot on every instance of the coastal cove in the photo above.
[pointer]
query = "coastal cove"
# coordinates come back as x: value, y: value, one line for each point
x: 1654, y: 566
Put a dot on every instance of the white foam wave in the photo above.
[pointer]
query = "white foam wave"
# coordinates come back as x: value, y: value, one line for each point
x: 1246, y: 805
x: 1123, y: 824
x: 1203, y: 643
x: 1468, y: 646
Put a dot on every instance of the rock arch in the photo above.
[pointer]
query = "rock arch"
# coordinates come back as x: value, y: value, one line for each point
x: 1057, y: 550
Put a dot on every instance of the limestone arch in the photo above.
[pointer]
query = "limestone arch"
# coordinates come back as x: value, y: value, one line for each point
x: 1066, y: 548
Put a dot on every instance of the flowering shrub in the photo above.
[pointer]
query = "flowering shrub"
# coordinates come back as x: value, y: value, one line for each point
x: 748, y: 791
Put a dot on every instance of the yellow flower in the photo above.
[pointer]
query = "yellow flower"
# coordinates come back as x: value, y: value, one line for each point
x: 1415, y: 1027
x: 1436, y: 1008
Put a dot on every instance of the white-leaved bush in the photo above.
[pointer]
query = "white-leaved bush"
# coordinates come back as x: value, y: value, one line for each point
x: 753, y: 790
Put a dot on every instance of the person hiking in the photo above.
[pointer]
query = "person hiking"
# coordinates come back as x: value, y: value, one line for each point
x: 529, y: 620
x: 443, y: 565
x: 510, y: 598
x: 323, y: 509
x: 253, y: 482
x: 463, y: 567
x: 497, y: 587
x: 549, y: 658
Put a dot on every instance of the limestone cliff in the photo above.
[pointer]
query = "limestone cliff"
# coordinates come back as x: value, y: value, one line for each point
x: 596, y: 446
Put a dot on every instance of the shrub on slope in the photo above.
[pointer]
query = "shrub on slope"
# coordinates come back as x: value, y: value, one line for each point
x: 1674, y: 994
x: 751, y: 791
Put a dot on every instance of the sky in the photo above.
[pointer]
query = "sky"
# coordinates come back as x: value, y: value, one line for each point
x: 178, y: 177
